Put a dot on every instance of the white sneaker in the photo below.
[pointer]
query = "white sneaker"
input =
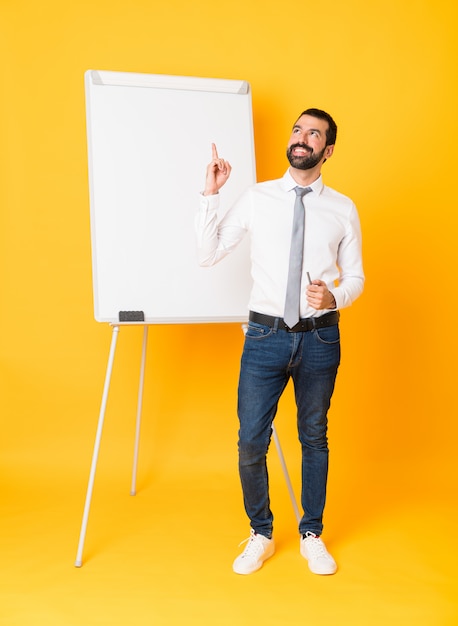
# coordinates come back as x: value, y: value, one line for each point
x: 319, y: 559
x: 257, y: 550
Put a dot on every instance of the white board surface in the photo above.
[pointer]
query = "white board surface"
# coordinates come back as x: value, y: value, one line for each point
x: 149, y: 142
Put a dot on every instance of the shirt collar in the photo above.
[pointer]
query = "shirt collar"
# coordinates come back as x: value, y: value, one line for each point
x: 289, y: 183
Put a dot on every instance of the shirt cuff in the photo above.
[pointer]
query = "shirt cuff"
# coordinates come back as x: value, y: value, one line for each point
x: 209, y: 203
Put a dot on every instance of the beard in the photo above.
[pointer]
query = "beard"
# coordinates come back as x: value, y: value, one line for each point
x: 305, y: 162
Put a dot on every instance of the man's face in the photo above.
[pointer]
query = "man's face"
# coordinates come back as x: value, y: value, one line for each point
x: 307, y: 144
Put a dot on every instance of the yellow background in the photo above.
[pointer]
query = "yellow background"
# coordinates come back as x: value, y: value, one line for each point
x: 387, y: 72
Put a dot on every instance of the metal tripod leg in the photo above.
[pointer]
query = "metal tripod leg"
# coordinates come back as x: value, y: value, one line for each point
x: 285, y: 472
x: 95, y: 454
x: 133, y: 489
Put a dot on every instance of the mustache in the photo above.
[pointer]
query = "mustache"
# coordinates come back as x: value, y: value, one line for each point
x: 300, y: 145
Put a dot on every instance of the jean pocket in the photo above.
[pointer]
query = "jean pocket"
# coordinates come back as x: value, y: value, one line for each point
x: 329, y: 335
x: 257, y: 331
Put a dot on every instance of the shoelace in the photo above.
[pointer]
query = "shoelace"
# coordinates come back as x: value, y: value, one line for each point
x: 252, y: 547
x: 316, y: 546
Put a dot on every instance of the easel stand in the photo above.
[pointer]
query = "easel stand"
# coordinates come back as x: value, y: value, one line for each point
x: 98, y: 438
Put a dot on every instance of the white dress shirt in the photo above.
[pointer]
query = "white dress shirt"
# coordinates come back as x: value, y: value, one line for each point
x: 332, y: 242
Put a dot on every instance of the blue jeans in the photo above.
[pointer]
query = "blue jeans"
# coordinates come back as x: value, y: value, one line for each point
x: 270, y: 357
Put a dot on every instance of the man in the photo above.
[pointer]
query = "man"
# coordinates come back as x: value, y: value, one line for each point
x: 278, y: 345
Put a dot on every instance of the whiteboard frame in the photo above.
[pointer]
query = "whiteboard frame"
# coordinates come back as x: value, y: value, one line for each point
x: 231, y: 273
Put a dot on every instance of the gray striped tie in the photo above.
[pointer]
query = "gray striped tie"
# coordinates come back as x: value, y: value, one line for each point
x: 293, y: 290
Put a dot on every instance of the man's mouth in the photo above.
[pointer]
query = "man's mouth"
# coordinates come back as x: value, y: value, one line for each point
x: 300, y: 150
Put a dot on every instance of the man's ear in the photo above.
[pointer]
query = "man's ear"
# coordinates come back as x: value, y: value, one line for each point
x: 329, y: 151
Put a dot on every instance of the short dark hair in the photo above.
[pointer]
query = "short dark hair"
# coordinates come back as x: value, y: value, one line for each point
x: 331, y: 133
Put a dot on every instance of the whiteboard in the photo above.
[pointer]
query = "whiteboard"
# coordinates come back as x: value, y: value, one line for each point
x: 149, y: 143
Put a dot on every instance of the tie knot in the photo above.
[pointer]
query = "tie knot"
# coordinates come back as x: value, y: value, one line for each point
x: 301, y: 191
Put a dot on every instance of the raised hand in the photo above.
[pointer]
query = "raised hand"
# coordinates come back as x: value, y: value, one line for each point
x: 218, y: 171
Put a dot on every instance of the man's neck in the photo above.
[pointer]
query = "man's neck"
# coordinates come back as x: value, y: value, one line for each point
x: 305, y: 177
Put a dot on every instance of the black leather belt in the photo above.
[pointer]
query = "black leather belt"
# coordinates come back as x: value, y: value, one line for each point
x: 308, y: 323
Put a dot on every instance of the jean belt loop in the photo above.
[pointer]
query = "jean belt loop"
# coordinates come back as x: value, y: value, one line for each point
x: 276, y: 324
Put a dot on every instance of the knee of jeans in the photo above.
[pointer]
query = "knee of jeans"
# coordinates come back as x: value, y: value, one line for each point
x: 320, y: 445
x: 314, y: 439
x: 251, y: 453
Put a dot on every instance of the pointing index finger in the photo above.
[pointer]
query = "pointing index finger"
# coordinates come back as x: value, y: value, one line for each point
x: 214, y: 152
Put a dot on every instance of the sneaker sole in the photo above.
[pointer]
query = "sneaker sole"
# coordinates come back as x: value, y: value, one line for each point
x: 321, y: 573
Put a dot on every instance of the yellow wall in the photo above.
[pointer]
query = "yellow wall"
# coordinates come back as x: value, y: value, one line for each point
x: 387, y: 73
